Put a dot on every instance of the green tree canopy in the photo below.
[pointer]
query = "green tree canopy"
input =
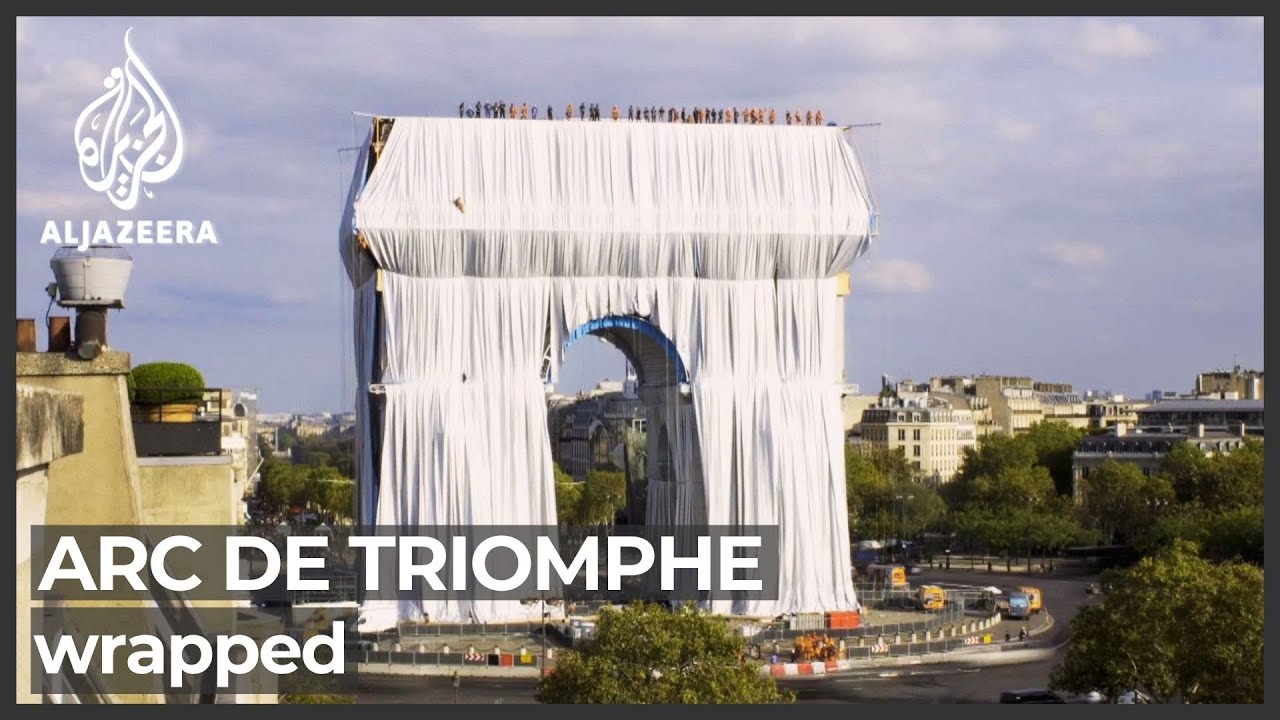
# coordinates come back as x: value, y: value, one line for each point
x: 1120, y: 502
x: 995, y: 453
x: 1055, y: 442
x: 603, y: 496
x: 1234, y: 480
x: 884, y: 500
x: 568, y: 496
x: 1221, y: 534
x: 280, y: 486
x: 1184, y: 467
x: 1175, y: 626
x: 645, y: 654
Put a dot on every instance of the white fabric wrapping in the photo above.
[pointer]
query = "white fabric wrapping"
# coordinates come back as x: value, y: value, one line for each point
x: 725, y: 238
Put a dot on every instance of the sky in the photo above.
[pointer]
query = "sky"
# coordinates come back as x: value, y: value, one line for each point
x: 1075, y: 199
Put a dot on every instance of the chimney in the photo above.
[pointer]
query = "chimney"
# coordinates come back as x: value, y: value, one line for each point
x: 26, y: 335
x: 1122, y: 428
x: 1200, y: 430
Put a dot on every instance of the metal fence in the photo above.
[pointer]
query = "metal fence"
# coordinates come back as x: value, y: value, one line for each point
x: 922, y: 642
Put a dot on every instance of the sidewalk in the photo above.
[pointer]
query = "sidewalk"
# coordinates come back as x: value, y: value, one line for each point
x: 979, y: 563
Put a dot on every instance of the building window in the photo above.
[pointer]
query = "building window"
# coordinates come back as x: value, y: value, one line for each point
x: 916, y: 451
x: 915, y: 434
x: 902, y: 434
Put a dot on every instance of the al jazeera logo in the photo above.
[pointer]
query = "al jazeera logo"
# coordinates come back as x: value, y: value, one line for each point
x: 128, y: 141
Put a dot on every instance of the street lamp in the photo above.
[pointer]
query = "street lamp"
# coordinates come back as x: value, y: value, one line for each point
x: 902, y: 528
x: 542, y: 603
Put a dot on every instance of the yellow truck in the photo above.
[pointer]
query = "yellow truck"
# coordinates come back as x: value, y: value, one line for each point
x: 931, y: 598
x: 1036, y: 599
x: 894, y: 576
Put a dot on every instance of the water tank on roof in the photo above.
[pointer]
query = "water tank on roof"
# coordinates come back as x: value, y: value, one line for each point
x: 98, y: 275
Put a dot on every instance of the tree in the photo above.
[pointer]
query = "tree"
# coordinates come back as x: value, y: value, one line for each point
x: 331, y: 493
x: 868, y: 493
x: 1014, y: 487
x: 1175, y: 626
x: 1184, y: 466
x: 1000, y: 474
x: 995, y: 453
x: 645, y: 654
x: 1221, y: 535
x: 1120, y: 502
x: 884, y: 499
x: 1234, y: 480
x: 603, y: 496
x: 282, y: 484
x: 568, y: 496
x: 1055, y: 442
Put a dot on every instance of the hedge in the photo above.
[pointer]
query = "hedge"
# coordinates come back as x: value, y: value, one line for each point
x: 168, y: 382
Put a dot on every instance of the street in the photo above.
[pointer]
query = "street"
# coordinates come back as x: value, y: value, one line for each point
x: 974, y: 678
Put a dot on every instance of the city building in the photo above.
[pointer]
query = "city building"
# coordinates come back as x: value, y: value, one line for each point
x: 932, y: 436
x: 1108, y: 411
x: 85, y: 459
x: 590, y: 431
x: 852, y: 403
x: 237, y: 411
x: 1184, y: 415
x: 1230, y: 384
x: 1015, y: 403
x: 1145, y: 448
x: 1059, y: 403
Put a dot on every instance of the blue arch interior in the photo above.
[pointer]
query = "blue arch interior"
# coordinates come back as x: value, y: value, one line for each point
x: 624, y: 322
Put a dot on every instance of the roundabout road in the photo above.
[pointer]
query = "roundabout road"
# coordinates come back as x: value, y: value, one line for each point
x: 971, y: 678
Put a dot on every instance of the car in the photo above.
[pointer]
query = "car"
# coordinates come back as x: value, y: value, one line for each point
x: 1134, y: 697
x: 1031, y: 697
x: 1093, y: 589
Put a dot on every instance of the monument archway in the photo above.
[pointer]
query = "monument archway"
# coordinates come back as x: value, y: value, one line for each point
x: 479, y: 247
x: 662, y: 385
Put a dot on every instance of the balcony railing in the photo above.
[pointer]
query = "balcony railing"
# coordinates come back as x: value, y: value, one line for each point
x: 173, y: 422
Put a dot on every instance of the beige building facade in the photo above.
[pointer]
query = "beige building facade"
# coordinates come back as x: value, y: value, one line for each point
x: 80, y: 466
x: 932, y: 438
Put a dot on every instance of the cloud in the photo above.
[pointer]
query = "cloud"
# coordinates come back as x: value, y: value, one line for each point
x: 1017, y: 131
x: 1077, y: 254
x: 992, y: 129
x: 891, y: 276
x: 58, y: 204
x: 1118, y: 41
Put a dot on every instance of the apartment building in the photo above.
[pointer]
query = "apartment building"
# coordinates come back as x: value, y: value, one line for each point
x: 932, y: 437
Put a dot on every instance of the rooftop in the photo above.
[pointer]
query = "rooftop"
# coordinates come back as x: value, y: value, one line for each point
x: 1207, y: 404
